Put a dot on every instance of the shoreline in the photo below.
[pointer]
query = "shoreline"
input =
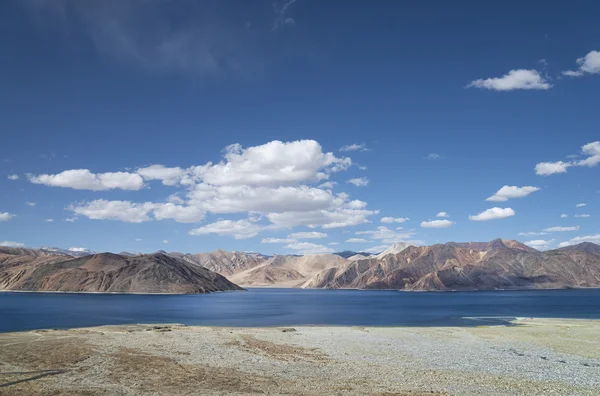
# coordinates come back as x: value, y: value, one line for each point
x: 531, y: 356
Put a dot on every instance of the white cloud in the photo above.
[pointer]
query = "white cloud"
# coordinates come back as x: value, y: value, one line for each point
x: 359, y: 181
x: 442, y: 214
x: 71, y: 219
x: 181, y: 214
x: 561, y: 229
x: 362, y: 167
x: 168, y: 176
x: 12, y: 244
x: 333, y: 243
x: 13, y: 177
x: 309, y: 248
x: 580, y: 205
x: 590, y: 64
x: 436, y: 224
x: 507, y: 192
x: 357, y: 240
x: 336, y: 218
x: 493, y: 214
x: 83, y: 179
x: 564, y: 216
x: 273, y: 163
x: 588, y: 238
x: 5, y: 216
x: 277, y: 240
x: 591, y: 151
x: 354, y: 147
x: 165, y: 241
x: 30, y: 203
x: 585, y: 215
x: 515, y: 79
x: 539, y: 244
x: 239, y: 229
x: 550, y: 168
x: 327, y: 185
x: 433, y: 156
x: 126, y: 211
x: 531, y: 233
x: 386, y: 235
x: 307, y: 235
x: 49, y: 220
x: 388, y: 220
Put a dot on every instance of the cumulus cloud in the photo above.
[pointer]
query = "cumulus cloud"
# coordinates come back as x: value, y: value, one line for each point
x: 333, y: 243
x: 531, y: 233
x: 83, y: 179
x: 32, y: 204
x: 564, y: 216
x: 507, y: 192
x: 309, y: 248
x: 49, y: 220
x: 357, y: 240
x: 71, y: 219
x: 168, y: 176
x: 13, y: 177
x: 588, y: 238
x: 389, y: 220
x: 327, y: 185
x: 12, y: 244
x: 386, y: 235
x: 539, y: 244
x: 584, y: 215
x: 102, y: 209
x: 307, y: 235
x: 337, y: 218
x: 165, y: 241
x: 437, y: 224
x: 354, y: 147
x: 433, y: 156
x: 493, y: 214
x: 442, y: 214
x: 277, y: 240
x: 239, y: 229
x: 588, y: 64
x: 561, y: 229
x: 359, y: 181
x: 580, y: 205
x: 5, y: 216
x: 179, y: 213
x: 273, y: 163
x: 515, y: 79
x: 132, y: 212
x: 590, y: 151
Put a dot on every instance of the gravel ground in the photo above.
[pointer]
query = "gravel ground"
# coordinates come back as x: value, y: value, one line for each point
x: 537, y: 356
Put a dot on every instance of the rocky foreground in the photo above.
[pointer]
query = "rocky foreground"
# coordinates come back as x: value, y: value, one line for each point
x: 535, y: 357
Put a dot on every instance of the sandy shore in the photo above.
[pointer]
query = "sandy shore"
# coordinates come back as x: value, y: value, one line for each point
x: 537, y: 356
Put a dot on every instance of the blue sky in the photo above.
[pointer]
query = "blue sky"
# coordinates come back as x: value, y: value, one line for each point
x: 191, y: 126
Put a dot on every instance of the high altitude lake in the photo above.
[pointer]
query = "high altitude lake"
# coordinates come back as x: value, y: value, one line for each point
x: 279, y: 307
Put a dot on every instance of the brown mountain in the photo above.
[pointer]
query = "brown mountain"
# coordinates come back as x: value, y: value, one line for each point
x: 499, y: 264
x: 223, y: 262
x: 582, y: 247
x: 32, y: 270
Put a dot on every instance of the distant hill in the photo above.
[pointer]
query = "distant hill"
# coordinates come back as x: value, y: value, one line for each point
x: 36, y: 270
x: 350, y: 253
x: 499, y: 264
x: 582, y: 247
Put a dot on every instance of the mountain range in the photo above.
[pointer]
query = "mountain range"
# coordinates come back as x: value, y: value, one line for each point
x: 498, y: 264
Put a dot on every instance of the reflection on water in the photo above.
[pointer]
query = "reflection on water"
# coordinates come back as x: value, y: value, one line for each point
x: 278, y: 307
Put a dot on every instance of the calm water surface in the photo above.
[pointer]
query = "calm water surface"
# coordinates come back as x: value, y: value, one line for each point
x: 277, y: 307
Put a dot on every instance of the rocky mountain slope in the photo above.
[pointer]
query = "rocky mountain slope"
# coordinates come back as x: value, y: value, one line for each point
x: 499, y: 264
x: 288, y: 271
x: 223, y: 262
x: 35, y: 270
x: 582, y: 247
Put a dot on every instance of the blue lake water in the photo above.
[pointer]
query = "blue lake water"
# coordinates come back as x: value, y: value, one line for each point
x: 278, y: 307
